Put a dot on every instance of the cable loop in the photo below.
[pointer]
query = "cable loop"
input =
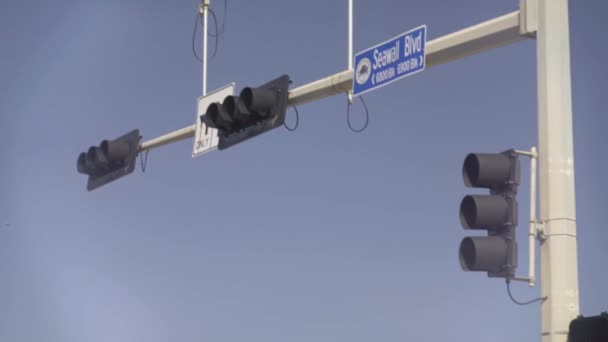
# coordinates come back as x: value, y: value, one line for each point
x: 366, y: 116
x: 215, y: 35
x: 297, y: 119
x: 143, y: 160
x: 196, y: 21
x: 539, y: 299
x: 224, y: 19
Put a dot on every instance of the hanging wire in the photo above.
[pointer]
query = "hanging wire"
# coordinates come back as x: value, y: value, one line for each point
x: 143, y: 160
x: 348, y: 104
x: 297, y: 119
x: 197, y: 18
x: 539, y: 299
x: 217, y: 34
x: 223, y: 26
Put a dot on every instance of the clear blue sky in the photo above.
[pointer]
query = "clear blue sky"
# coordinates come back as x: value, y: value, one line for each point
x: 316, y: 235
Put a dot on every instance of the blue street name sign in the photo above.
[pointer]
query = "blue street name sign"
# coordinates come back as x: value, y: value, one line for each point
x: 390, y: 61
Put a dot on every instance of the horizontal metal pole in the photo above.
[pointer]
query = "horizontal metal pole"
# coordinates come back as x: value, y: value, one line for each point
x: 521, y: 279
x: 531, y: 154
x: 488, y: 35
x: 485, y: 36
x: 172, y: 137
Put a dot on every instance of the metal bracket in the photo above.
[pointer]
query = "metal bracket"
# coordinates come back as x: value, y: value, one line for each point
x: 540, y: 231
x: 523, y: 279
x: 532, y: 223
x: 528, y: 18
x: 203, y: 6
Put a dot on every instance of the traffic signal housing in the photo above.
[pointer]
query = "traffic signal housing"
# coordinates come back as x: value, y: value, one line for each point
x: 495, y: 212
x: 256, y: 110
x: 110, y: 160
x: 589, y: 329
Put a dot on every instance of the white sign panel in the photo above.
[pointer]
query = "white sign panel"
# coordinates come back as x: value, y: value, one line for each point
x: 205, y: 138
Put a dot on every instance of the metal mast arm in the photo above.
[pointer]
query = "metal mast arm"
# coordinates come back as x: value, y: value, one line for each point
x: 493, y: 33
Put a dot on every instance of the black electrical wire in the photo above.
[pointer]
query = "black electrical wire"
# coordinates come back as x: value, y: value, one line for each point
x: 223, y: 26
x: 297, y: 120
x: 366, y: 116
x: 539, y: 299
x: 143, y: 160
x: 217, y: 34
x: 196, y: 20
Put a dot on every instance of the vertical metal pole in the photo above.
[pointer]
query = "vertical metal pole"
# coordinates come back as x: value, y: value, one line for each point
x: 559, y: 270
x: 350, y: 44
x: 204, y: 13
x: 532, y: 223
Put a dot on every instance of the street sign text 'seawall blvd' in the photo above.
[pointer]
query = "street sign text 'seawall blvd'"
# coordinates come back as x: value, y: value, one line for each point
x: 389, y: 61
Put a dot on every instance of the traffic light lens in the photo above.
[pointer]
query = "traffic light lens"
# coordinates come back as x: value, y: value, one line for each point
x: 470, y: 170
x: 81, y: 165
x: 483, y: 211
x: 230, y: 103
x: 219, y: 117
x: 483, y: 253
x: 213, y: 111
x: 95, y: 156
x: 467, y: 254
x: 486, y: 170
x: 246, y: 96
x: 468, y: 212
x: 236, y: 111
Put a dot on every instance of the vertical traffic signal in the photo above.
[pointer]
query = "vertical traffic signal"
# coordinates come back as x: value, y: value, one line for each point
x: 110, y: 160
x: 256, y: 110
x: 495, y: 212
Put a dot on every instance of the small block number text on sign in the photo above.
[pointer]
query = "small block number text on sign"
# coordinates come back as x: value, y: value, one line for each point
x: 390, y: 61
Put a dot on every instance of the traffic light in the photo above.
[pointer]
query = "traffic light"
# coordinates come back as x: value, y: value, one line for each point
x: 254, y: 111
x: 495, y: 212
x: 110, y: 160
x: 589, y: 329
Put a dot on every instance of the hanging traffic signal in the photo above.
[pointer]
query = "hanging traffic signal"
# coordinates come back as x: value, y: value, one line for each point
x: 495, y: 253
x: 110, y: 160
x: 254, y: 111
x: 589, y: 329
